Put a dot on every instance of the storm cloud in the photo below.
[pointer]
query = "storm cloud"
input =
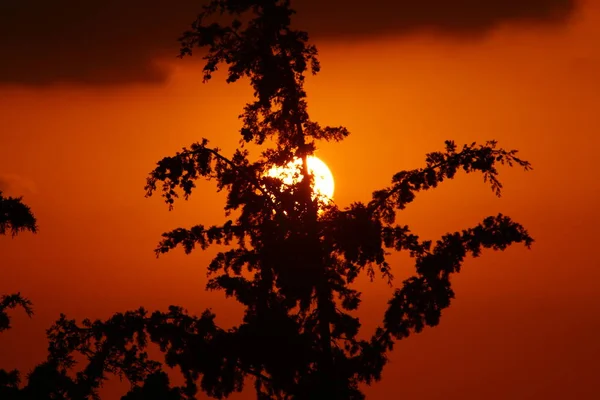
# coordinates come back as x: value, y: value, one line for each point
x: 122, y: 41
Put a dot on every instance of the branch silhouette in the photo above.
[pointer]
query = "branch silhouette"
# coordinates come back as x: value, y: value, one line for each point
x: 15, y: 216
x: 11, y: 301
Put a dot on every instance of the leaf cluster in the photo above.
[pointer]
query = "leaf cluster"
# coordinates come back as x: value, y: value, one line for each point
x: 15, y: 216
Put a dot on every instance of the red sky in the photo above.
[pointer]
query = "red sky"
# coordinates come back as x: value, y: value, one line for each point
x: 524, y: 324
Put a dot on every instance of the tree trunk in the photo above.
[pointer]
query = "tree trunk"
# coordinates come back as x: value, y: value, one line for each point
x: 326, y: 370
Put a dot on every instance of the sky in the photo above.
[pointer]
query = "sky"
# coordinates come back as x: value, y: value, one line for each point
x: 92, y: 96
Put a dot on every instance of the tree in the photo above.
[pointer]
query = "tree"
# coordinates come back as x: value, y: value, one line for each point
x: 15, y: 217
x: 292, y: 256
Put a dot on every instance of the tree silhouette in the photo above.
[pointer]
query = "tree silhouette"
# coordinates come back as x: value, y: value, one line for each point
x: 291, y: 256
x: 15, y: 217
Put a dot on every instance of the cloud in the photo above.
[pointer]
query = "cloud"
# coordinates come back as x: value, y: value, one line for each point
x: 104, y: 42
x: 449, y: 17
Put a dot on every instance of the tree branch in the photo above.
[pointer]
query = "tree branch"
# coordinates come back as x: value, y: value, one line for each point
x: 441, y: 166
x: 11, y: 301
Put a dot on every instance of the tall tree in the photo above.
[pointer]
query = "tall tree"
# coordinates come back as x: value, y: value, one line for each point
x: 292, y: 256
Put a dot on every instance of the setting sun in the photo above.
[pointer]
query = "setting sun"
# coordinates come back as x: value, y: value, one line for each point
x: 324, y: 184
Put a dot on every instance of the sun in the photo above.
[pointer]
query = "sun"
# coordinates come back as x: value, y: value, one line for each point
x: 323, y: 178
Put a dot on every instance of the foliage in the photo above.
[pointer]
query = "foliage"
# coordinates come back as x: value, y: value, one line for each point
x: 8, y: 302
x: 16, y: 217
x: 291, y: 258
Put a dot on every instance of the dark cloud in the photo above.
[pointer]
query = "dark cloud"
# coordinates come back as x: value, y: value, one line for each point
x: 120, y: 41
x: 450, y: 17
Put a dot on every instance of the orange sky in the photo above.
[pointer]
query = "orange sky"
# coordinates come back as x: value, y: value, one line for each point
x: 524, y: 324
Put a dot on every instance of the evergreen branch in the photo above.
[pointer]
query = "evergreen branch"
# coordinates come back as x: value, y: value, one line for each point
x: 198, y: 235
x: 422, y: 298
x: 425, y: 295
x: 118, y: 345
x: 181, y: 170
x: 442, y: 166
x: 15, y: 216
x: 12, y: 301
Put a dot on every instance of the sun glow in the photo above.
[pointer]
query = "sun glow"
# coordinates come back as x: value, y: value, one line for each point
x: 323, y: 179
